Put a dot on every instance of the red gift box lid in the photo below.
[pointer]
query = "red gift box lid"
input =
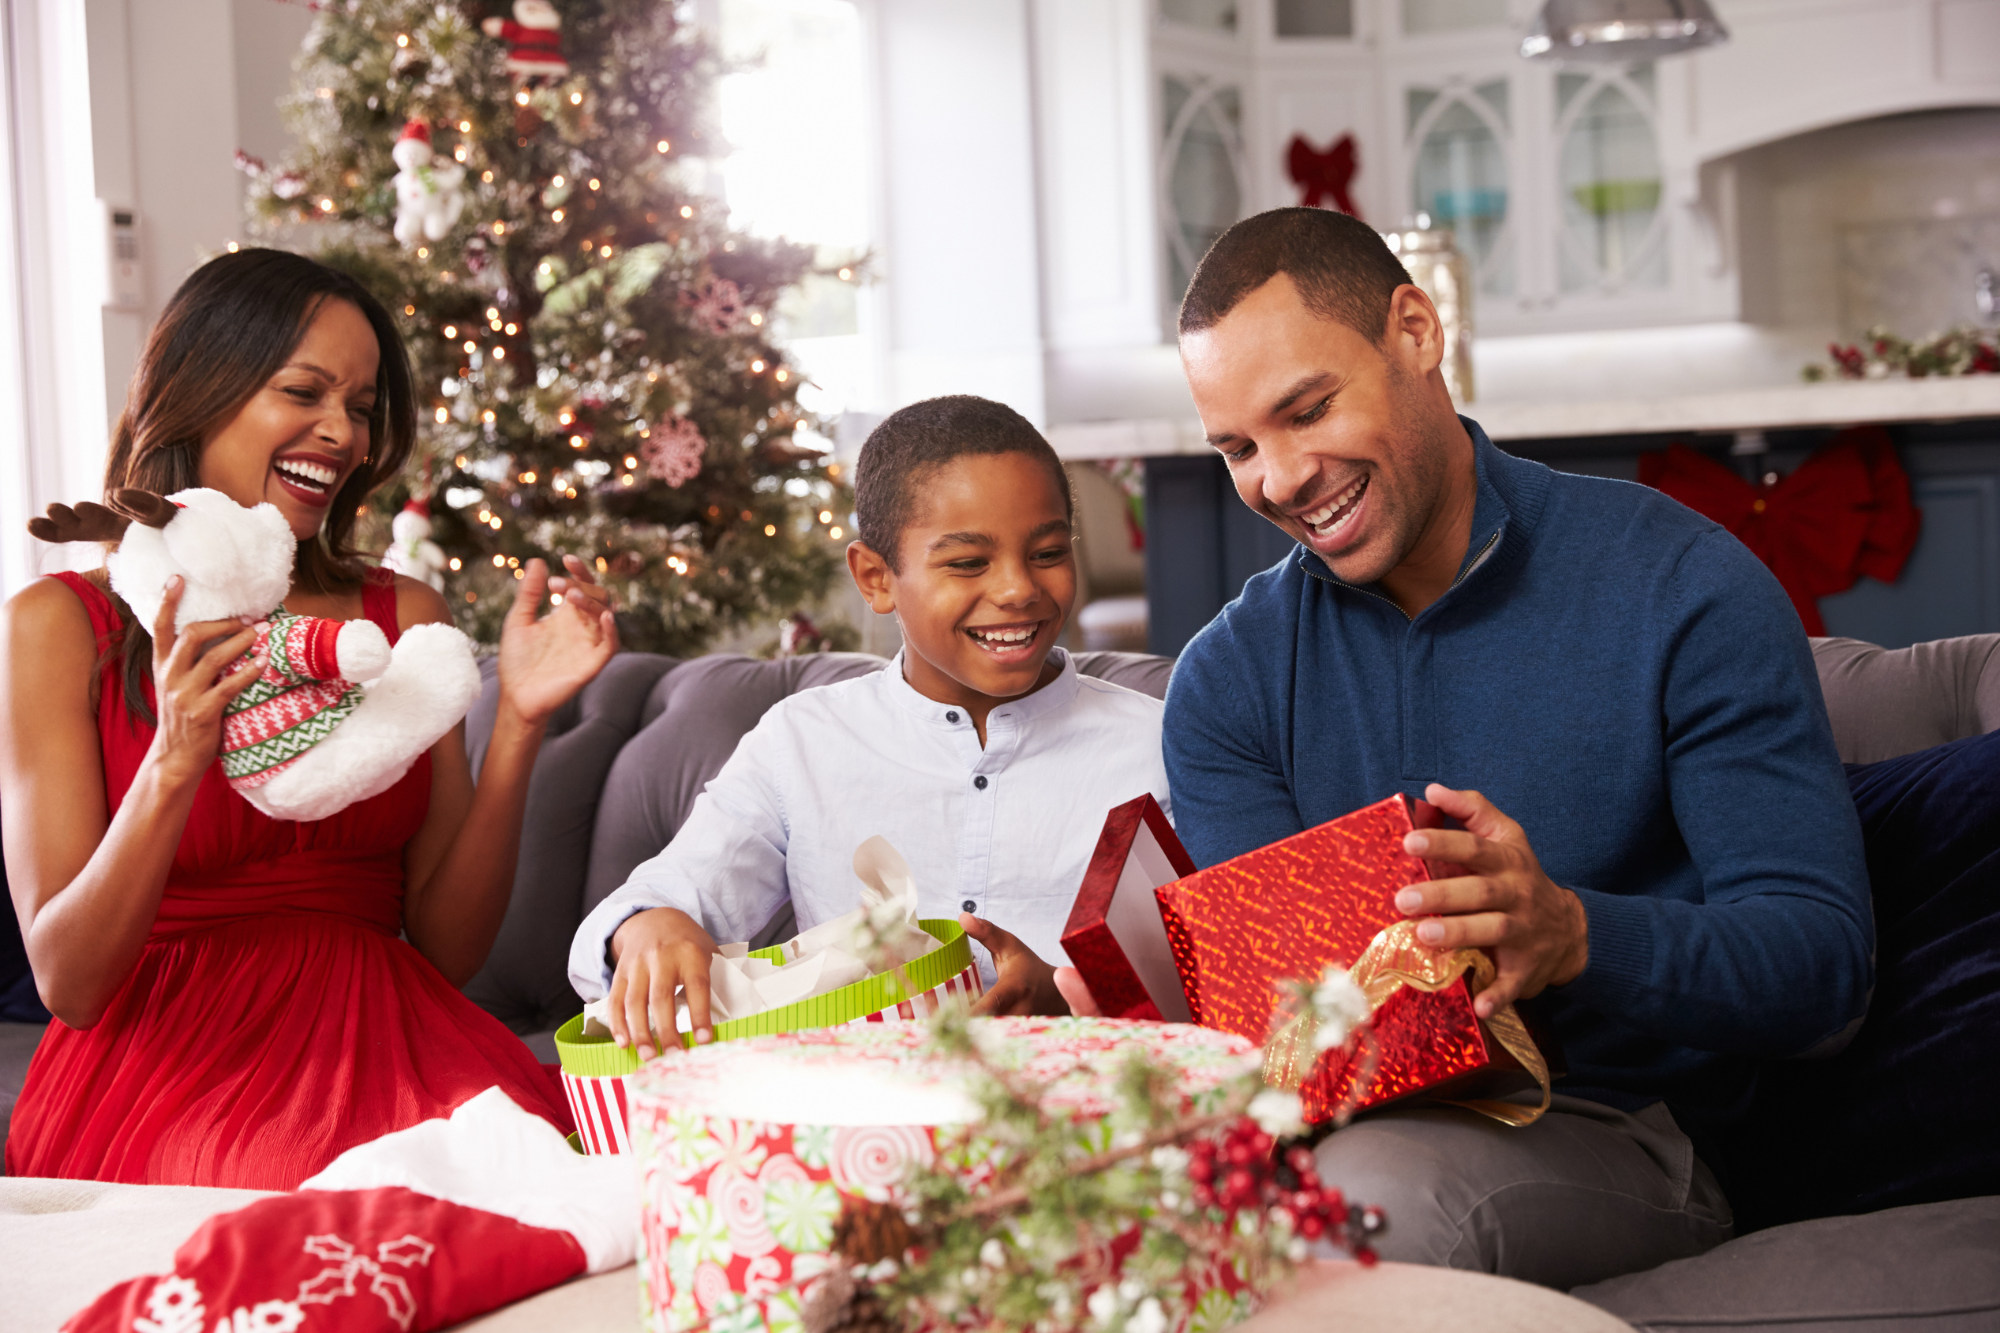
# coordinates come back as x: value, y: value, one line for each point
x: 1115, y: 936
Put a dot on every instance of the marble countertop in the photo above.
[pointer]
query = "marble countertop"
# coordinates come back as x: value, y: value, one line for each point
x: 1838, y: 403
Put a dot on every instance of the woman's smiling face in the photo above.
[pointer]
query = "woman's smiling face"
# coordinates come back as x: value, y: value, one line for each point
x: 300, y: 437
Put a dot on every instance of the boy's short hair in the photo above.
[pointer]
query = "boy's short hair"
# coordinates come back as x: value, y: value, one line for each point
x: 1342, y: 267
x: 914, y: 440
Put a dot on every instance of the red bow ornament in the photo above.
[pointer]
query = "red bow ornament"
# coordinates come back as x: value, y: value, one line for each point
x: 1842, y: 513
x: 1320, y: 176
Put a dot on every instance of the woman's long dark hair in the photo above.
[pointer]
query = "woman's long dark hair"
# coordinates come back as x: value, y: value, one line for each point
x: 233, y: 325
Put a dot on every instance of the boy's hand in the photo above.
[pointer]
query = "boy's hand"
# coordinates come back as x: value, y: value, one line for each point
x: 1023, y: 984
x: 659, y: 951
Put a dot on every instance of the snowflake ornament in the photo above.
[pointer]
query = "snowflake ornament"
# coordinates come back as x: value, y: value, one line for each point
x: 717, y: 307
x: 673, y: 453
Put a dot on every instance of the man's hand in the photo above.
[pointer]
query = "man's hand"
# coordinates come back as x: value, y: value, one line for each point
x: 1534, y: 929
x: 1076, y: 991
x: 659, y: 951
x: 1023, y: 983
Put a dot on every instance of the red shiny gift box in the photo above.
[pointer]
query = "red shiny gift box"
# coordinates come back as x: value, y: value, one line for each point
x: 1322, y: 897
x: 1116, y: 937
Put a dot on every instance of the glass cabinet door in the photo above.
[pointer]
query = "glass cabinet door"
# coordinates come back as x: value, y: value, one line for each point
x: 1613, y: 233
x: 1202, y: 185
x: 1204, y: 15
x: 1428, y: 16
x: 1314, y: 18
x: 1459, y: 176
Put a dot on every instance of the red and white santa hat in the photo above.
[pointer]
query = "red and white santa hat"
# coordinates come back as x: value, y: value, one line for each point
x: 416, y: 129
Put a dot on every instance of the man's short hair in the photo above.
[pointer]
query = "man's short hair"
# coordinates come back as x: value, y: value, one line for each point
x: 915, y: 440
x: 1342, y: 267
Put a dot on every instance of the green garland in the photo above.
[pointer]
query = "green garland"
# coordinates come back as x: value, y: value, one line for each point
x: 1883, y: 355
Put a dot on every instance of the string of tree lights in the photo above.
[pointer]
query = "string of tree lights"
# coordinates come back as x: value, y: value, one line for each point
x: 592, y: 339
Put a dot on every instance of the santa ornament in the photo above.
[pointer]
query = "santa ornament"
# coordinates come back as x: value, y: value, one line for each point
x: 336, y: 715
x: 534, y: 42
x: 428, y: 196
x: 411, y: 550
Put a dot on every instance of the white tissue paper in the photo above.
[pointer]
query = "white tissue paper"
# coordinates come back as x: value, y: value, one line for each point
x: 819, y: 960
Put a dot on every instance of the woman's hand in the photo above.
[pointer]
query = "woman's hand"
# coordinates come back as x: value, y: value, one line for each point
x: 544, y: 661
x: 1022, y: 982
x: 659, y: 951
x: 193, y: 683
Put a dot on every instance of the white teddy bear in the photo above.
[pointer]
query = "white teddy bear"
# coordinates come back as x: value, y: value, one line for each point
x: 428, y: 195
x: 338, y: 715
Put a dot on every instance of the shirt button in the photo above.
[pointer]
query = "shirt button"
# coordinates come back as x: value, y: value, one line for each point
x: 980, y: 782
x: 969, y: 905
x: 951, y: 716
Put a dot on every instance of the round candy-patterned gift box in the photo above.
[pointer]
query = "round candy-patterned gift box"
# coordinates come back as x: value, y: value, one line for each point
x: 746, y: 1152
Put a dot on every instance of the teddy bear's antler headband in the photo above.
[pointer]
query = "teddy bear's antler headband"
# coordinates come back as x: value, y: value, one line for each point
x: 89, y: 522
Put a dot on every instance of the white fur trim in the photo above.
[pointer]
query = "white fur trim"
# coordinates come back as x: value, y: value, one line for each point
x: 361, y: 651
x: 431, y: 682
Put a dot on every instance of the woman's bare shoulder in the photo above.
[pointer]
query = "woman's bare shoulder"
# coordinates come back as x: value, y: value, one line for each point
x: 418, y: 603
x: 48, y: 612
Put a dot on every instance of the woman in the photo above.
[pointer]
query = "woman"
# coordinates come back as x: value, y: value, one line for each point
x: 234, y: 1006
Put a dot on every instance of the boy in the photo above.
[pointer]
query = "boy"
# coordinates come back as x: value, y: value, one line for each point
x: 979, y: 752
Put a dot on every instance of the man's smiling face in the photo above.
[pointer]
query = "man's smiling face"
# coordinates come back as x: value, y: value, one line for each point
x: 1338, y: 440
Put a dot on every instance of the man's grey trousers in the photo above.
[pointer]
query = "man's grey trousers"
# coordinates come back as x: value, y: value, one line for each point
x: 1585, y: 1193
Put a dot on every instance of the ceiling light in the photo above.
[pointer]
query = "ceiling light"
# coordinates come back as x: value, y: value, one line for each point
x: 1608, y: 30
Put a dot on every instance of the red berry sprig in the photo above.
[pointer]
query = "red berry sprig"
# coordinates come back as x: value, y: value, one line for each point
x: 1245, y: 1169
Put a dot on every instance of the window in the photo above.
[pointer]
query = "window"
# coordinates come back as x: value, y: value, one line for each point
x: 795, y: 120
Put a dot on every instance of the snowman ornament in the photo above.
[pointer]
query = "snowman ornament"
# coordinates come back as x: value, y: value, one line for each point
x: 428, y: 196
x: 411, y: 550
x: 534, y: 42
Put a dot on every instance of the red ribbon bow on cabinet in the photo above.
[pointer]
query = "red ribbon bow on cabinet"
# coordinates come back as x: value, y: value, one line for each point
x: 1842, y: 513
x: 1320, y: 175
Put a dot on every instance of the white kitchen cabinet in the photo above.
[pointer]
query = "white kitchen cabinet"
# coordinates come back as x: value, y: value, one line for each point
x: 1588, y: 197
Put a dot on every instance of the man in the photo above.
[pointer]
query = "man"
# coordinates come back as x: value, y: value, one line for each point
x: 1609, y: 693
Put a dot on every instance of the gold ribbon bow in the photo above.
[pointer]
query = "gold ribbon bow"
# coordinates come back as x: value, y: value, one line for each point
x: 1395, y: 959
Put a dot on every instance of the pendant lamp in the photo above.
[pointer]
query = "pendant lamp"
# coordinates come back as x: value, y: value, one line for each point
x: 1621, y: 29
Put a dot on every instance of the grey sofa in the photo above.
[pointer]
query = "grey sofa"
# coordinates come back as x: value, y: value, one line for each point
x: 625, y: 759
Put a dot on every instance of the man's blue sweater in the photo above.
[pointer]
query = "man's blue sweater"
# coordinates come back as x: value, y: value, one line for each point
x: 1627, y: 681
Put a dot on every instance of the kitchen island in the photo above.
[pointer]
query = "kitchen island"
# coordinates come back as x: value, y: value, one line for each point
x: 1202, y: 542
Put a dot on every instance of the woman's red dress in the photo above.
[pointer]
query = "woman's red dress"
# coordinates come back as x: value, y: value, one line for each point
x: 275, y: 1018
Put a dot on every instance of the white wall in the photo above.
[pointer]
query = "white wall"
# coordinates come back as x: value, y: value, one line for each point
x: 958, y: 227
x: 163, y: 97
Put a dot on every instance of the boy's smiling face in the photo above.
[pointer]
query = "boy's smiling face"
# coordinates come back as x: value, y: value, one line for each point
x: 987, y: 582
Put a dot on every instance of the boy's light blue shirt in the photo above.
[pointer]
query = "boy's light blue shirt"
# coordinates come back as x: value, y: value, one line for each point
x: 1004, y: 832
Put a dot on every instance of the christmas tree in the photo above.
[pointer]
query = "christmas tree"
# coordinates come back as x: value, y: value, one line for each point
x: 516, y: 184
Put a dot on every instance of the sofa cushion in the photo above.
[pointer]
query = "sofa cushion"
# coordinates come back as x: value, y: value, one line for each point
x: 525, y: 982
x: 1906, y: 1113
x: 693, y: 722
x: 1143, y: 672
x: 1885, y: 702
x: 1927, y: 1269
